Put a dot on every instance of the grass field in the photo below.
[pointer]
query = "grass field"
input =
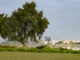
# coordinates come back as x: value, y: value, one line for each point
x: 37, y: 56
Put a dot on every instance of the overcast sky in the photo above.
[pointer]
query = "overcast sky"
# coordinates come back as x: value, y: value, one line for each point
x: 63, y: 15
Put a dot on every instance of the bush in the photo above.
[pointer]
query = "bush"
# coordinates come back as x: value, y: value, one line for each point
x: 41, y: 47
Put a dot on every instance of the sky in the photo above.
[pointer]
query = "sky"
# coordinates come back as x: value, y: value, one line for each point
x: 63, y: 15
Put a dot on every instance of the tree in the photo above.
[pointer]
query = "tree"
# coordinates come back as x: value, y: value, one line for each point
x: 25, y: 23
x: 4, y: 26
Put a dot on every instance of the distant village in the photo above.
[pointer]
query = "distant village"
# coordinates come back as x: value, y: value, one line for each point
x: 66, y: 44
x: 64, y: 41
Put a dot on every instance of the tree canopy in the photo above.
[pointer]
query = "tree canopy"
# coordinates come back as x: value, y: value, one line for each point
x: 24, y: 23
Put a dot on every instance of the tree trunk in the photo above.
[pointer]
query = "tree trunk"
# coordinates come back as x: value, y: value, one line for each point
x: 24, y: 45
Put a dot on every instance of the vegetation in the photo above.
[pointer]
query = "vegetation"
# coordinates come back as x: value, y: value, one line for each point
x: 37, y: 56
x: 59, y: 42
x: 39, y: 50
x: 77, y: 43
x: 24, y: 23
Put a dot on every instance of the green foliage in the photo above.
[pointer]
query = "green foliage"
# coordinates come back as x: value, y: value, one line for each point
x: 24, y: 23
x: 42, y: 50
x: 41, y: 47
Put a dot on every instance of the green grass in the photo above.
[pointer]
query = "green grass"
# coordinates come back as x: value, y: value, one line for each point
x: 40, y: 50
x: 40, y: 53
x: 5, y: 55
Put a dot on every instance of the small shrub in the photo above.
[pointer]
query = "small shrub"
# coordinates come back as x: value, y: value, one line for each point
x: 75, y: 52
x: 41, y: 47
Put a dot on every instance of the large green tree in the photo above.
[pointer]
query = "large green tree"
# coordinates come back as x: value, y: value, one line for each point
x: 4, y: 26
x: 24, y: 23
